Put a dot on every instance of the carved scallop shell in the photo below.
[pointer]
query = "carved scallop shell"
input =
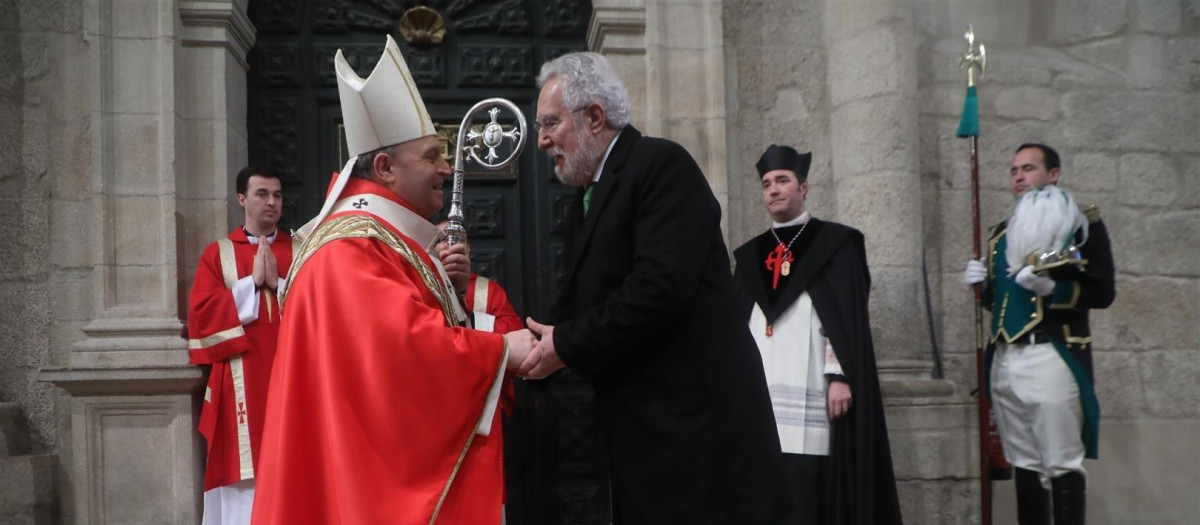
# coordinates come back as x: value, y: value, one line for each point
x: 422, y: 26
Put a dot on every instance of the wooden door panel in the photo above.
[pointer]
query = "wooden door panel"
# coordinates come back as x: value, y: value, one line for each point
x: 514, y: 218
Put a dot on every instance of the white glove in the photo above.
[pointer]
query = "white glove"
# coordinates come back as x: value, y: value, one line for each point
x: 975, y: 273
x: 1035, y: 283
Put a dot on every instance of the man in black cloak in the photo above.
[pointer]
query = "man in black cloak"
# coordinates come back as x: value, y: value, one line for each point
x: 807, y: 284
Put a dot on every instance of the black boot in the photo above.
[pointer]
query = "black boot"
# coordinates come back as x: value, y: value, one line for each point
x: 1070, y: 498
x: 1033, y: 500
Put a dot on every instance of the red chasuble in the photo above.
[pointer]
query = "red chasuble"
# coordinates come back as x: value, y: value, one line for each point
x: 376, y: 394
x: 231, y: 418
x: 488, y: 451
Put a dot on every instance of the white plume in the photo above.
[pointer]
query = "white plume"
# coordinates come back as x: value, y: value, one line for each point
x: 1042, y: 221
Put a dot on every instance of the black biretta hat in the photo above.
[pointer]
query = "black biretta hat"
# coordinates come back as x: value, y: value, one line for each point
x: 784, y: 158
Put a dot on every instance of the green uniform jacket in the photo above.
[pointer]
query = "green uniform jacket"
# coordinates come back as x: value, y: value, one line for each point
x: 1062, y: 315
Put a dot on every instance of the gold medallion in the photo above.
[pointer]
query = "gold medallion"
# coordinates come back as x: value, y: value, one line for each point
x: 785, y: 268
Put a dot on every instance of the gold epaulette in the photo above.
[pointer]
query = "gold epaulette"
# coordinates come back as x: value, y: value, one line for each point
x: 997, y: 230
x: 1092, y: 212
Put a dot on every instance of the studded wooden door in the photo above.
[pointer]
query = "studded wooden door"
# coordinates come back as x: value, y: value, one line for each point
x: 459, y: 51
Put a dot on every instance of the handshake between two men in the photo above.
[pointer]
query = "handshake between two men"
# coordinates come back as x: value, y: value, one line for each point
x: 533, y: 357
x: 531, y: 352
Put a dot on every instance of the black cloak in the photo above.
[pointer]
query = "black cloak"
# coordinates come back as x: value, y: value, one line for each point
x: 832, y: 267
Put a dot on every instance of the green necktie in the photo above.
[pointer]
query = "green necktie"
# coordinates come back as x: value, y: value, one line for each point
x: 587, y: 198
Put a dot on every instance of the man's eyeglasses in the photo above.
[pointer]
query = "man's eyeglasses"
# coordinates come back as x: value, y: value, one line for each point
x: 548, y: 123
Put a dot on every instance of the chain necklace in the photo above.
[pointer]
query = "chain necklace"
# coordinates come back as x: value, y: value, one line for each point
x: 789, y: 246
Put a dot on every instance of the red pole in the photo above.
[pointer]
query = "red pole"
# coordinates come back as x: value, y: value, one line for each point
x: 985, y: 482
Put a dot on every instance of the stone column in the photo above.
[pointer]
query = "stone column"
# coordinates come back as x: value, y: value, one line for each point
x: 872, y: 76
x: 670, y: 54
x: 167, y: 128
x: 874, y: 130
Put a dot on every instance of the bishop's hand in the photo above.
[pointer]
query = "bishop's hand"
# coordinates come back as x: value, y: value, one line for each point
x: 520, y: 344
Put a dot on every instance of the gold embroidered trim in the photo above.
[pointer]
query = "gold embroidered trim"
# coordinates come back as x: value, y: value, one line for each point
x: 368, y: 227
x: 1056, y: 264
x: 1074, y: 299
x: 267, y: 298
x: 423, y: 113
x: 228, y: 262
x: 241, y: 418
x: 1038, y: 300
x: 1075, y: 340
x: 1092, y: 212
x: 1008, y: 338
x: 992, y: 250
x: 481, y: 295
x: 216, y: 339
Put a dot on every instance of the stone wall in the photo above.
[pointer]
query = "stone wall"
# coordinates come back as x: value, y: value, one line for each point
x: 775, y: 58
x: 44, y: 158
x: 1115, y: 87
x: 120, y: 121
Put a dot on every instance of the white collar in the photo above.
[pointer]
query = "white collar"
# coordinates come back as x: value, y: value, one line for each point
x: 607, y: 152
x: 803, y: 218
x: 254, y: 239
x: 407, y: 221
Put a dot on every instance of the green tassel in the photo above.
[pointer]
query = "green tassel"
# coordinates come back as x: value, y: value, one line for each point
x: 968, y: 126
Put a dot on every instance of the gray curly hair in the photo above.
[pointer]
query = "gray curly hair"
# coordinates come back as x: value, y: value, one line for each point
x: 588, y: 78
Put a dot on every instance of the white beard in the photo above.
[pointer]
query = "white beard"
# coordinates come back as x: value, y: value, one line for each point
x: 1042, y: 221
x: 579, y: 167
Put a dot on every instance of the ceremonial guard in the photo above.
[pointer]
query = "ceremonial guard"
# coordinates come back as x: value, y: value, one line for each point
x: 1047, y: 265
x: 807, y: 284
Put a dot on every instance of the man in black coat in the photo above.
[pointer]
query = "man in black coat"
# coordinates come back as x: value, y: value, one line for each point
x: 807, y: 284
x: 648, y: 312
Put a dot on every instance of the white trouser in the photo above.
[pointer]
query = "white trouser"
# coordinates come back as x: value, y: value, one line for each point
x: 229, y: 505
x: 1038, y: 411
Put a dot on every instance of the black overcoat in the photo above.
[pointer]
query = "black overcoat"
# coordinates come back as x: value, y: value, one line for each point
x: 648, y: 312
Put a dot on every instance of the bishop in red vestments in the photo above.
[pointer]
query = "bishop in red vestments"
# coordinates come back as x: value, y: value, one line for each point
x: 380, y: 392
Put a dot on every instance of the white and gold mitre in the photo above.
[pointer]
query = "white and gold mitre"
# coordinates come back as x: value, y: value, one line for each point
x: 381, y: 110
x: 385, y: 108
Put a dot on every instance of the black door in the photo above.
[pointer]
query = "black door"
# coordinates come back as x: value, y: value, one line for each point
x: 460, y: 52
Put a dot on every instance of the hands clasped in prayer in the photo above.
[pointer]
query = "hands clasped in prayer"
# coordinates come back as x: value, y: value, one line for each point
x: 531, y: 351
x: 266, y: 269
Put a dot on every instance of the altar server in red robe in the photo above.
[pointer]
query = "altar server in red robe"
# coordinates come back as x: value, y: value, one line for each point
x: 233, y: 322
